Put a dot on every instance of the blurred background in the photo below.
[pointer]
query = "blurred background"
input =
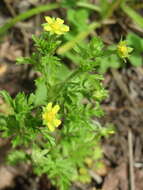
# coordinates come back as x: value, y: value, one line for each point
x: 112, y: 20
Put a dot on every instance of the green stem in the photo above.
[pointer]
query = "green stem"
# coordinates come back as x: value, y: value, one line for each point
x: 82, y: 35
x: 89, y: 6
x: 10, y: 23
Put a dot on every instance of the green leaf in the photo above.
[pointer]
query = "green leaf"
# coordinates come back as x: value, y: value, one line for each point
x: 21, y: 104
x: 135, y: 41
x: 136, y: 59
x: 104, y: 7
x: 3, y: 122
x: 7, y: 97
x: 111, y: 61
x: 95, y: 47
x: 31, y: 99
x: 41, y: 92
x: 68, y: 3
x: 23, y: 60
x: 16, y: 157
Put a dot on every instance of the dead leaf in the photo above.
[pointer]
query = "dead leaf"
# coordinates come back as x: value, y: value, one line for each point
x: 3, y: 69
x: 6, y: 177
x: 117, y: 179
x: 139, y: 179
x: 10, y: 51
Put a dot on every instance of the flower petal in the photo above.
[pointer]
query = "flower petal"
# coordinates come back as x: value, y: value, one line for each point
x: 65, y: 28
x: 51, y: 127
x: 55, y: 109
x: 57, y: 122
x: 47, y: 28
x: 49, y: 106
x: 49, y: 19
x: 59, y: 32
x: 59, y: 21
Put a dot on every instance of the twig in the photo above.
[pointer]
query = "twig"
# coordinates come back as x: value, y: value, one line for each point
x: 26, y: 40
x: 10, y: 8
x: 136, y: 28
x: 80, y: 186
x: 96, y: 177
x: 131, y: 161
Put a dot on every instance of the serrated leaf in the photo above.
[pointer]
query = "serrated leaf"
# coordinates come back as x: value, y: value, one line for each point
x: 31, y: 99
x: 16, y: 157
x: 41, y: 92
x: 111, y: 61
x: 21, y: 104
x: 7, y: 97
x: 23, y: 60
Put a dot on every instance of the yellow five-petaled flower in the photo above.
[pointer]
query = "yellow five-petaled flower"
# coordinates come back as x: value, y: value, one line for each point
x: 49, y: 116
x: 55, y: 26
x: 123, y: 49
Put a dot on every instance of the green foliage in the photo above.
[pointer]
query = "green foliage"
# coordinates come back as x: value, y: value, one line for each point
x: 59, y: 154
x: 79, y: 19
x: 136, y: 42
x: 112, y: 61
x: 16, y: 157
x: 68, y: 3
x: 105, y: 7
x: 19, y: 124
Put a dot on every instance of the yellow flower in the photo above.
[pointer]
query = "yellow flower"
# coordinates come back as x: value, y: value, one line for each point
x: 123, y: 49
x: 49, y: 116
x: 55, y: 26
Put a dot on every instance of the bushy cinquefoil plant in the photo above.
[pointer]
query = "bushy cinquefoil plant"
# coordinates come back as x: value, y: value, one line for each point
x: 55, y: 127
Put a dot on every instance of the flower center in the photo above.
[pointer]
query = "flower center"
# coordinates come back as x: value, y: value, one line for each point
x: 55, y: 26
x: 50, y: 116
x: 123, y: 49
